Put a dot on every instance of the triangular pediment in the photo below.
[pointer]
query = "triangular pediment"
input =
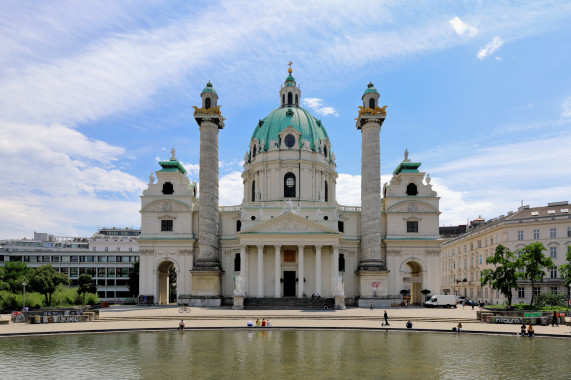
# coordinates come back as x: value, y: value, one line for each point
x: 289, y: 223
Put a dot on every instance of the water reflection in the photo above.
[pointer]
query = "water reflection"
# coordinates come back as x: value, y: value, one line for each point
x: 283, y: 354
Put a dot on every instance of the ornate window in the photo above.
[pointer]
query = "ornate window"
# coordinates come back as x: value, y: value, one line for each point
x: 283, y: 99
x: 411, y: 189
x: 412, y: 226
x: 289, y: 185
x: 296, y: 100
x: 168, y: 188
x: 238, y: 225
x: 325, y: 150
x: 289, y: 141
x: 253, y: 191
x: 341, y: 262
x: 326, y: 192
x: 289, y: 98
x: 372, y: 103
x: 207, y: 103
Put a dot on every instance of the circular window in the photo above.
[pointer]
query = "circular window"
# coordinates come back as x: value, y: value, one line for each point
x: 289, y: 141
x: 325, y: 217
x: 290, y: 182
x: 253, y: 217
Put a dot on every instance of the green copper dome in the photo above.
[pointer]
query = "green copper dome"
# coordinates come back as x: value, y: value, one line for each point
x: 370, y: 89
x: 290, y: 81
x: 298, y: 118
x: 208, y: 88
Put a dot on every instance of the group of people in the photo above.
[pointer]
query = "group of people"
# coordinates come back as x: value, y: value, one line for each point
x: 263, y: 323
x: 530, y: 331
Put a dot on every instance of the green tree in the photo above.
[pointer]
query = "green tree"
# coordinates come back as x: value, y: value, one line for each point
x: 46, y: 280
x: 16, y: 272
x: 3, y: 284
x: 133, y: 282
x: 565, y: 272
x: 533, y: 262
x: 505, y: 275
x: 86, y: 285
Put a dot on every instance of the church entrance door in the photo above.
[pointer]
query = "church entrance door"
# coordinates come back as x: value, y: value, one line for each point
x: 289, y: 283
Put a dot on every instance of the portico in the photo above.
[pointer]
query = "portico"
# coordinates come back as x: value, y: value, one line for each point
x: 297, y: 262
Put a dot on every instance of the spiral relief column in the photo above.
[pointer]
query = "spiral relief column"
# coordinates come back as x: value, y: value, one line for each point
x: 207, y: 272
x: 372, y: 268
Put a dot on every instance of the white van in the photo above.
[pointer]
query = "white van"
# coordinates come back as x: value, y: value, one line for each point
x: 442, y: 300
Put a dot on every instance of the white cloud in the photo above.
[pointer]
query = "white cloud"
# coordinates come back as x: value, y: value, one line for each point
x: 566, y: 108
x: 316, y: 105
x: 54, y: 178
x: 231, y: 191
x: 461, y: 28
x: 499, y: 59
x: 490, y: 48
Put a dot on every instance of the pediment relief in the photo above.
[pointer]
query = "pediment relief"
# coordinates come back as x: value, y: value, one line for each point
x: 289, y: 223
x: 412, y: 207
x: 166, y: 206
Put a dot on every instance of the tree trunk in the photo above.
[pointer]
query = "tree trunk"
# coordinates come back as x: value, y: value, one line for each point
x: 47, y: 300
x: 532, y: 292
x: 50, y: 301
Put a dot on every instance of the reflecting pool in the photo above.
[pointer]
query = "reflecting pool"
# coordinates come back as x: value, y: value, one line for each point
x: 272, y: 354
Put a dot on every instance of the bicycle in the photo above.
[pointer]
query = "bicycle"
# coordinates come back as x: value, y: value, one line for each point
x: 184, y: 308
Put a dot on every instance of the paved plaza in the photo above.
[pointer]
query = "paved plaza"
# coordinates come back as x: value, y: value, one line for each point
x: 118, y: 318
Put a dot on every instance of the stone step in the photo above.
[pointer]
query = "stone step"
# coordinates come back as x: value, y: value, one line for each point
x: 288, y: 303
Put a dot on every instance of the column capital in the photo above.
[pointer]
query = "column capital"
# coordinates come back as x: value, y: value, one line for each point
x: 301, y: 246
x: 277, y: 246
x: 260, y: 247
x: 318, y: 246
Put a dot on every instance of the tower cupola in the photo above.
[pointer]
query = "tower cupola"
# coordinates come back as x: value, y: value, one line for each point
x: 370, y: 97
x: 290, y: 94
x: 209, y: 96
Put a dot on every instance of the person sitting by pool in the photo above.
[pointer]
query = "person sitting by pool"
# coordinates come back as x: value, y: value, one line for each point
x: 522, y: 330
x: 268, y: 323
x: 258, y: 323
x: 263, y: 322
x: 459, y: 327
x: 530, y: 331
x: 409, y: 325
x: 181, y: 325
x: 250, y: 324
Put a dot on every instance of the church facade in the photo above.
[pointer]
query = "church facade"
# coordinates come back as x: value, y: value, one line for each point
x: 289, y: 237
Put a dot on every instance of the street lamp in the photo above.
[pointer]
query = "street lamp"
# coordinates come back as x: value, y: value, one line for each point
x: 24, y: 297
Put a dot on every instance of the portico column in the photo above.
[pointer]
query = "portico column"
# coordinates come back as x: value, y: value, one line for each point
x: 277, y: 274
x: 301, y: 274
x: 318, y: 269
x: 260, y: 270
x: 243, y: 266
x: 335, y: 271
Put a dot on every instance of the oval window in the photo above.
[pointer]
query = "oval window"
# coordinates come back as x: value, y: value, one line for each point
x: 289, y: 141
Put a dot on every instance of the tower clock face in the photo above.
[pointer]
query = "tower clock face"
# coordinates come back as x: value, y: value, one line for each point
x: 412, y: 207
x: 290, y: 182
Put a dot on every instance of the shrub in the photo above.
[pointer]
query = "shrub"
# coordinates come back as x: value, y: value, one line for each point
x: 552, y: 299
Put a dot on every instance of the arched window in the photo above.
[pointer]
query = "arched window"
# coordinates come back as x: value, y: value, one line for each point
x: 283, y: 99
x: 341, y: 262
x: 238, y: 225
x: 254, y: 151
x: 326, y: 192
x: 289, y: 185
x: 411, y: 189
x: 253, y: 191
x: 237, y: 263
x: 168, y: 188
x: 325, y: 150
x: 372, y: 103
x: 296, y: 100
x: 207, y: 103
x: 289, y: 98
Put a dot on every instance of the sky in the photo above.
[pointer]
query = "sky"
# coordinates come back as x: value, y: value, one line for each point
x: 94, y: 93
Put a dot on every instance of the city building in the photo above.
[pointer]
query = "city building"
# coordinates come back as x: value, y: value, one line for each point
x: 289, y: 238
x: 463, y: 258
x: 108, y: 255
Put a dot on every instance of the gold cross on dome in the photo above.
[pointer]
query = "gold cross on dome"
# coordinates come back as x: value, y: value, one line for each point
x: 290, y: 63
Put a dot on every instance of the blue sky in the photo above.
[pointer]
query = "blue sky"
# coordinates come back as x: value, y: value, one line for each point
x: 92, y: 94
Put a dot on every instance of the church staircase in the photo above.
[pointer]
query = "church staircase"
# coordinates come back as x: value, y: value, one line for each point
x: 288, y: 303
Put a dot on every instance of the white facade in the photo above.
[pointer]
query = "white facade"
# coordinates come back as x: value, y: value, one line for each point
x: 290, y: 237
x: 463, y: 258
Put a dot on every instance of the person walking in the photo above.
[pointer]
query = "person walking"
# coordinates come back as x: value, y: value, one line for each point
x: 371, y: 306
x: 554, y: 320
x: 386, y: 317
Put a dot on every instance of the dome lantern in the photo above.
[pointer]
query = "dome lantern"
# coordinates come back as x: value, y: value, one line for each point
x: 290, y: 94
